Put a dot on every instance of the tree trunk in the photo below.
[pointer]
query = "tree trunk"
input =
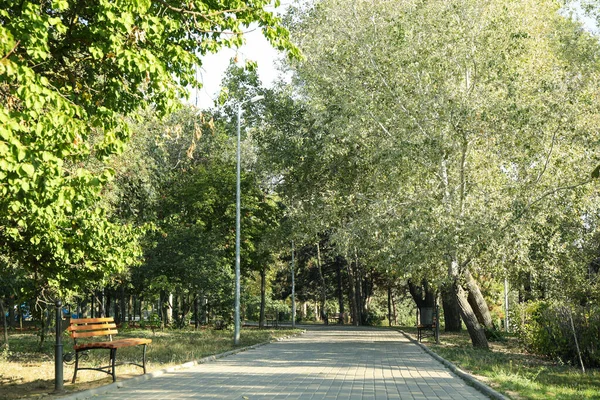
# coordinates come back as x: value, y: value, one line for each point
x: 196, y: 313
x: 394, y: 309
x: 367, y: 291
x: 116, y: 307
x: 340, y: 290
x: 351, y: 296
x: 358, y: 295
x: 451, y: 310
x: 122, y: 308
x: 108, y: 299
x: 476, y: 332
x: 389, y: 304
x: 477, y: 301
x: 43, y: 325
x: 161, y: 308
x: 263, y: 297
x: 169, y: 309
x: 130, y: 308
x: 358, y: 291
x: 5, y: 324
x: 11, y: 311
x: 423, y: 295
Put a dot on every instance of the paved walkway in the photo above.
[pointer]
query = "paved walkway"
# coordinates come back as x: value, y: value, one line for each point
x: 324, y: 363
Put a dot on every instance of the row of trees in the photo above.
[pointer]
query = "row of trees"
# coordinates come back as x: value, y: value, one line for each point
x: 73, y: 78
x: 446, y: 142
x: 428, y: 147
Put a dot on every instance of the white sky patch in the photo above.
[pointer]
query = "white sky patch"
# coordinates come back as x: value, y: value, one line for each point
x: 257, y: 48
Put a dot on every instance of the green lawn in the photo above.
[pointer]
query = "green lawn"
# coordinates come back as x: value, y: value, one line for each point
x: 515, y: 373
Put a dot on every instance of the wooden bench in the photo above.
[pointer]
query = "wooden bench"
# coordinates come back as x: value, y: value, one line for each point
x: 219, y: 325
x: 273, y: 321
x: 102, y: 327
x: 336, y: 318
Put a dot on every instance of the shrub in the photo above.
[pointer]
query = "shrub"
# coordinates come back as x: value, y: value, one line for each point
x: 544, y: 328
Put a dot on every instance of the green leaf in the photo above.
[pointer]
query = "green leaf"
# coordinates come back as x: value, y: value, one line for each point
x: 596, y: 172
x: 28, y: 169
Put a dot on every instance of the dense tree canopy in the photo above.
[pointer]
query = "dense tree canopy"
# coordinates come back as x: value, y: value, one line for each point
x: 69, y: 72
x: 440, y: 137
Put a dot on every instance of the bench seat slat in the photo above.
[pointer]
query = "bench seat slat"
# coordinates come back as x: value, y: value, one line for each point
x: 115, y: 344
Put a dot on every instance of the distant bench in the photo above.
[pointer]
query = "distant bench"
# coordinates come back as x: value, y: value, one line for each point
x: 333, y: 318
x: 427, y: 323
x: 102, y: 327
x: 272, y: 320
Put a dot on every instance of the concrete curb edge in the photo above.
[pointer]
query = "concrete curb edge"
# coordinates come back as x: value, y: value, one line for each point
x: 86, y: 394
x: 470, y: 379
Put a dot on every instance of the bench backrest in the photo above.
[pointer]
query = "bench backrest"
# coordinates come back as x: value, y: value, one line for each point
x: 89, y: 327
x: 426, y: 316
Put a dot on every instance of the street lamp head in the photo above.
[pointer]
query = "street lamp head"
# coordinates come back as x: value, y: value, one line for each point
x: 256, y: 98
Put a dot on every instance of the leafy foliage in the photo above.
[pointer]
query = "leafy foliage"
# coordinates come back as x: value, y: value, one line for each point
x: 69, y: 71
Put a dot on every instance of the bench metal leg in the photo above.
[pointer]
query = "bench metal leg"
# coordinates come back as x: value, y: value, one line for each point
x: 144, y: 358
x: 113, y: 357
x: 76, y: 366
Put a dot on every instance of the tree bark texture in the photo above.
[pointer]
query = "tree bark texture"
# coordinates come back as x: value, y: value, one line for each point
x: 389, y: 304
x: 11, y: 311
x: 451, y: 310
x: 123, y: 307
x: 4, y: 324
x: 477, y: 301
x: 423, y: 295
x: 340, y: 289
x: 351, y: 295
x: 263, y: 292
x: 196, y: 312
x: 476, y: 331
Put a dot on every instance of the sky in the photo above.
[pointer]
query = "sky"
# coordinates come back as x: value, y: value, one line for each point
x: 257, y: 48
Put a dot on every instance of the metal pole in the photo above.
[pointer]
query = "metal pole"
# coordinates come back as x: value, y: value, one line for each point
x: 236, y: 316
x: 506, y: 322
x: 58, y: 353
x: 293, y: 291
x: 236, y: 329
x: 437, y: 321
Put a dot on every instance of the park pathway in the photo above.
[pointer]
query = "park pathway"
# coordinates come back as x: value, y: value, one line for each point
x: 334, y: 362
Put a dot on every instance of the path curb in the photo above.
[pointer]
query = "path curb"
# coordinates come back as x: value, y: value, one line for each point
x: 86, y: 394
x: 470, y: 379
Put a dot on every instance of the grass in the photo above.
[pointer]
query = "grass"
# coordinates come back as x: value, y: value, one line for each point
x: 27, y: 371
x: 514, y: 372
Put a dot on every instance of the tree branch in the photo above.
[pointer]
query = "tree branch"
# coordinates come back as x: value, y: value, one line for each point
x: 11, y: 51
x: 539, y: 177
x: 206, y: 16
x: 543, y: 196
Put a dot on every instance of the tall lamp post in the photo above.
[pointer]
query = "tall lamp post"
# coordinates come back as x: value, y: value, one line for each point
x: 236, y: 327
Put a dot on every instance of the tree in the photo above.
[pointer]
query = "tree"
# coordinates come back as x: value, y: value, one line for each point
x: 438, y: 129
x: 69, y: 72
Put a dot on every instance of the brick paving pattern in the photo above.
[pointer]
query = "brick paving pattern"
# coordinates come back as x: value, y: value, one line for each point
x: 335, y: 362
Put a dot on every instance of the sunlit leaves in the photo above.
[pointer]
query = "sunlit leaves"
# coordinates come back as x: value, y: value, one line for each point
x: 440, y: 129
x: 69, y: 73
